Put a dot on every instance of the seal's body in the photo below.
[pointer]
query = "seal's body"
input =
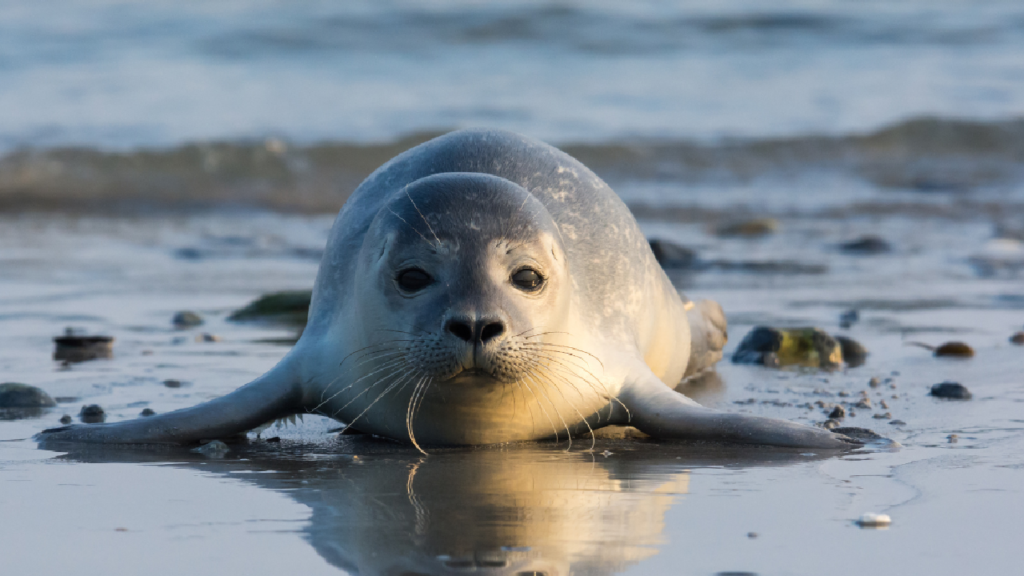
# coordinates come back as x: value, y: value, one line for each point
x: 483, y: 288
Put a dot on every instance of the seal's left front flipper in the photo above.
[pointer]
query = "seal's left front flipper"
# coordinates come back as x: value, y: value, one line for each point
x: 274, y: 395
x: 660, y: 412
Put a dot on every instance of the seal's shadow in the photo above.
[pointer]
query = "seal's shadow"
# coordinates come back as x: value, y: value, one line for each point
x: 526, y: 510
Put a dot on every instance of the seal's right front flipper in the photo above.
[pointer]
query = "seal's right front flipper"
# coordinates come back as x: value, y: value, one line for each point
x: 274, y: 395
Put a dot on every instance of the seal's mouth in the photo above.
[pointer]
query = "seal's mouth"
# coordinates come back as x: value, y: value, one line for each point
x: 472, y: 374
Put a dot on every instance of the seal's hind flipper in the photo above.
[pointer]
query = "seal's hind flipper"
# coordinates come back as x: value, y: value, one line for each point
x: 708, y: 335
x: 663, y: 413
x: 274, y: 395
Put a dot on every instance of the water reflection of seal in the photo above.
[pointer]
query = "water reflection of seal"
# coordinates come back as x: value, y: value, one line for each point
x: 484, y: 288
x: 377, y: 509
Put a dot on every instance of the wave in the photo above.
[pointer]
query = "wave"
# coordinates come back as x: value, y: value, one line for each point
x: 611, y: 29
x: 923, y: 154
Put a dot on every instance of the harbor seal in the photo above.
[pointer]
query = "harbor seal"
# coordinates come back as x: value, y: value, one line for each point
x: 480, y: 288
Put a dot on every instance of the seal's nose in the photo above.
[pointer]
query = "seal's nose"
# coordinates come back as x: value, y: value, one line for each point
x: 481, y: 330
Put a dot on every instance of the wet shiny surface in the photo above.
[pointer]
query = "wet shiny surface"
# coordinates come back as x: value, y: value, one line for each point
x: 316, y: 503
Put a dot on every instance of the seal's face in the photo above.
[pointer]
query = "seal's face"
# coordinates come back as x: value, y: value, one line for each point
x: 464, y: 295
x: 471, y: 271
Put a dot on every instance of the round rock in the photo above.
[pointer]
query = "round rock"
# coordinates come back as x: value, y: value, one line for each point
x: 92, y: 414
x: 951, y: 390
x: 15, y: 395
x: 186, y: 319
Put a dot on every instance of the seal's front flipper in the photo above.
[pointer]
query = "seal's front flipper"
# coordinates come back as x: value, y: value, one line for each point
x: 658, y: 411
x: 273, y: 395
x: 708, y: 335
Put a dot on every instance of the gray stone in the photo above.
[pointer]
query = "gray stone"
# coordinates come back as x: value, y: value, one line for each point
x: 215, y: 448
x: 951, y: 390
x: 92, y: 414
x: 16, y: 395
x: 186, y: 319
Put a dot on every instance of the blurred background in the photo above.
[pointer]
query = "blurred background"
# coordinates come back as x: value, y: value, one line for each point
x: 108, y: 105
x: 854, y: 165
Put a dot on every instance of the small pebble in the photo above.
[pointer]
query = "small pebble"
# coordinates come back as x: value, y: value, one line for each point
x: 884, y: 404
x: 952, y: 390
x: 864, y: 403
x: 186, y: 319
x: 897, y: 423
x: 885, y: 416
x: 952, y: 438
x: 752, y: 535
x: 859, y: 433
x: 749, y: 228
x: 838, y: 413
x: 214, y: 448
x: 147, y: 412
x: 207, y: 337
x: 870, y: 520
x: 274, y: 439
x: 874, y: 382
x: 72, y: 347
x: 955, y: 350
x: 92, y: 414
x: 830, y: 424
x: 671, y: 255
x: 848, y: 318
x: 65, y: 419
x: 172, y: 383
x: 854, y: 353
x: 1018, y: 338
x: 869, y: 244
x: 844, y: 393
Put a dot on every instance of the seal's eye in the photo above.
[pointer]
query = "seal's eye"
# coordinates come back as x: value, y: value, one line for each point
x: 414, y: 280
x: 527, y: 279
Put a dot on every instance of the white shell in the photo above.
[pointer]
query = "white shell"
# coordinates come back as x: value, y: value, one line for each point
x: 872, y: 520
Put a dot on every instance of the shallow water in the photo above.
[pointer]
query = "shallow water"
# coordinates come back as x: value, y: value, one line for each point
x: 159, y: 73
x: 161, y: 156
x: 317, y: 503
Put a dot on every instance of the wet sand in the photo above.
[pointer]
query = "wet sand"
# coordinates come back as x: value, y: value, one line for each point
x: 315, y: 503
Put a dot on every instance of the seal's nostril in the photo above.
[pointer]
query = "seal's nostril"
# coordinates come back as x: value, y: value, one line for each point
x: 461, y: 329
x: 491, y: 331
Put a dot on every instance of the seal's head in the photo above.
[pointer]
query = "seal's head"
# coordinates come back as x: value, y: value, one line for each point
x: 464, y: 294
x: 467, y: 272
